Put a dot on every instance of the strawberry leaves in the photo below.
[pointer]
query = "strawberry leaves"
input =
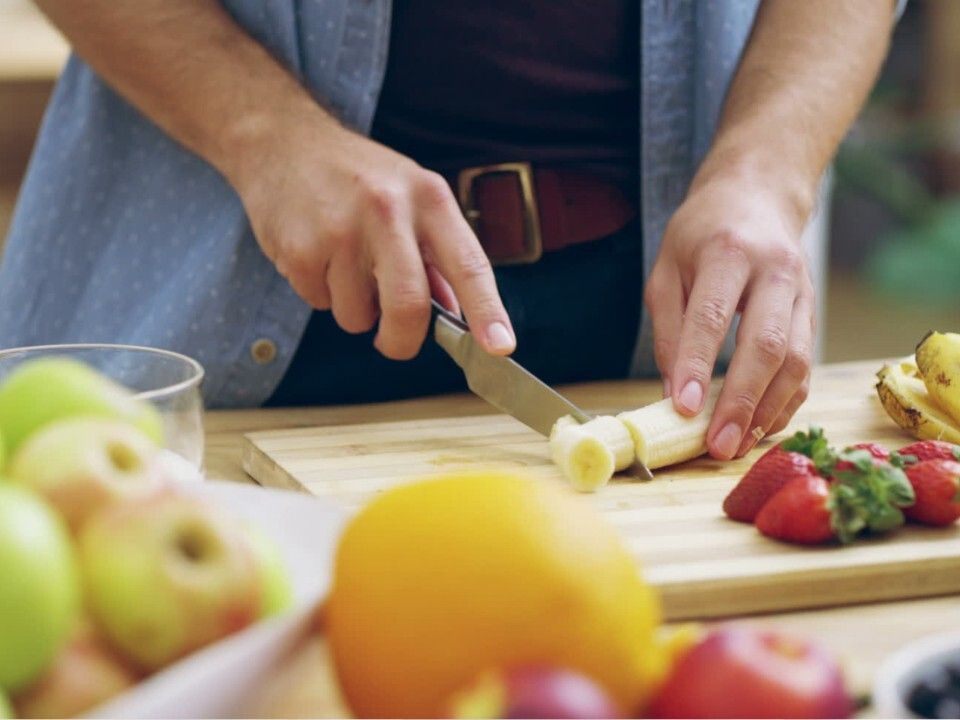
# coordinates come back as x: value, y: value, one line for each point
x: 814, y: 445
x: 867, y: 495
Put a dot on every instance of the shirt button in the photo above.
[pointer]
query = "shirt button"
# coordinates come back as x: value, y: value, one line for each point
x: 263, y: 351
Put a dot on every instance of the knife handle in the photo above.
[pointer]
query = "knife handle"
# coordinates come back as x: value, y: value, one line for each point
x: 440, y: 311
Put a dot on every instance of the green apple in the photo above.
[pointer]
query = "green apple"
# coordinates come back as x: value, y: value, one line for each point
x: 5, y: 710
x: 83, y: 676
x: 41, y: 391
x: 81, y: 465
x: 166, y: 575
x: 276, y: 591
x: 39, y: 589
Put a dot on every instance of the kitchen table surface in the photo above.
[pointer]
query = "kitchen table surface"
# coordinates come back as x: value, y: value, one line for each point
x: 862, y: 635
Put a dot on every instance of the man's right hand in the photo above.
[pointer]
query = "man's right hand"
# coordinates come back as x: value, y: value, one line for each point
x: 367, y: 233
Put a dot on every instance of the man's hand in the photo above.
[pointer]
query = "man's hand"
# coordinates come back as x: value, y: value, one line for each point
x: 353, y: 226
x: 367, y: 233
x: 733, y: 245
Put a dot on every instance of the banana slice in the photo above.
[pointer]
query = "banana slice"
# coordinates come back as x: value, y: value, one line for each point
x: 938, y: 357
x: 662, y: 436
x: 906, y: 400
x: 589, y: 454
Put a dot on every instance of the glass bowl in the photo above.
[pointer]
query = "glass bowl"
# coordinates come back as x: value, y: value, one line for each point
x: 168, y: 380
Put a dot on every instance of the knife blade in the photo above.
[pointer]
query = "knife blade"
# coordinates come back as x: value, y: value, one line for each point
x: 500, y: 381
x: 506, y: 384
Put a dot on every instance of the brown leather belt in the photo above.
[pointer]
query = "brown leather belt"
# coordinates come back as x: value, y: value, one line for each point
x: 519, y: 212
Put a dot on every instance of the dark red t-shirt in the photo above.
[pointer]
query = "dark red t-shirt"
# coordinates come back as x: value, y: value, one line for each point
x: 554, y: 83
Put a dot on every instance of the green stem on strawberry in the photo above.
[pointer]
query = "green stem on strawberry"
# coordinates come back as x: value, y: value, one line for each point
x: 867, y: 495
x: 814, y: 445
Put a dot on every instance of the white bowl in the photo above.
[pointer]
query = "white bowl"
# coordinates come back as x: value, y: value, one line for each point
x: 898, y: 674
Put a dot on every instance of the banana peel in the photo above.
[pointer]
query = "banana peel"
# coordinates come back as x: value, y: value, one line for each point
x: 904, y: 396
x: 938, y: 359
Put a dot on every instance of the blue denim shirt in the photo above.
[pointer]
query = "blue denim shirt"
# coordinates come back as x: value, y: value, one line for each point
x: 121, y: 235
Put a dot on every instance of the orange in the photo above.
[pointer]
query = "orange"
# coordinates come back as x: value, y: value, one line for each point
x: 441, y: 580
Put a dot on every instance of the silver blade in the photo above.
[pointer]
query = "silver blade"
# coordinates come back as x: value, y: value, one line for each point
x: 501, y: 381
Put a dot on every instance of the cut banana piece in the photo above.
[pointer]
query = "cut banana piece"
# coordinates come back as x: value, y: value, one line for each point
x: 662, y: 436
x: 938, y: 357
x: 589, y: 454
x: 906, y: 400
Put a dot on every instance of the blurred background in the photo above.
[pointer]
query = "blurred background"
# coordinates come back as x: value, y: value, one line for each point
x: 895, y: 214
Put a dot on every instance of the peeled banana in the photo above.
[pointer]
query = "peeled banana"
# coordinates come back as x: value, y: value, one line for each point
x: 589, y: 454
x: 905, y: 397
x: 938, y: 358
x: 662, y: 436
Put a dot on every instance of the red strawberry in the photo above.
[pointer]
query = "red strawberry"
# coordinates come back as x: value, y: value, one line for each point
x: 766, y: 476
x: 792, y: 458
x: 799, y: 513
x: 929, y: 450
x: 878, y: 452
x: 811, y: 510
x: 936, y: 485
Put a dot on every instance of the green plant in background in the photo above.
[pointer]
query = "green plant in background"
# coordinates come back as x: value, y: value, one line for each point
x: 919, y: 259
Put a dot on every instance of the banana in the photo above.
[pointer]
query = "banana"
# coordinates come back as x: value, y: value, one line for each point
x: 938, y: 357
x: 906, y: 400
x: 662, y: 436
x: 589, y: 454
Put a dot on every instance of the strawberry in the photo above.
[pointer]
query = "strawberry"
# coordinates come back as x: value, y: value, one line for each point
x: 793, y: 458
x: 799, y: 512
x: 879, y: 453
x: 936, y: 484
x: 929, y: 450
x: 864, y: 496
x: 875, y: 449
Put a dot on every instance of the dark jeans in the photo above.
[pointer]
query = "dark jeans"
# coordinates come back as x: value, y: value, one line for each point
x: 575, y: 313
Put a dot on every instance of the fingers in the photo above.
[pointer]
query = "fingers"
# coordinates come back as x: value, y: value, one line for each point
x: 352, y: 293
x: 457, y: 254
x: 790, y: 385
x: 404, y: 295
x: 441, y: 291
x: 761, y: 348
x: 709, y: 312
x: 663, y: 297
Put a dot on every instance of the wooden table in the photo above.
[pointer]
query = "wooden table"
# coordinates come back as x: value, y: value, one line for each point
x: 861, y: 635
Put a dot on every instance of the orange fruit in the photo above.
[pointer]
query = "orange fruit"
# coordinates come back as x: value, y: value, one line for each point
x: 440, y: 580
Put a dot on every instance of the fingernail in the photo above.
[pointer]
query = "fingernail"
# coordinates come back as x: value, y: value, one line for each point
x: 691, y: 397
x: 667, y: 388
x: 727, y: 441
x: 499, y: 338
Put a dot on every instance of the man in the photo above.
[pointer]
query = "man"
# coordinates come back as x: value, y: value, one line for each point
x: 135, y: 219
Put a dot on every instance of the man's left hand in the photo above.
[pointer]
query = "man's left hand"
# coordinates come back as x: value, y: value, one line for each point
x: 734, y: 246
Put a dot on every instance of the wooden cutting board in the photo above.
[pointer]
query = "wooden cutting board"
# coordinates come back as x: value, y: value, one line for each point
x: 704, y: 565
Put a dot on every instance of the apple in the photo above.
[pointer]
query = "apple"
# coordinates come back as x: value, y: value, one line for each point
x: 41, y: 391
x: 275, y: 584
x: 534, y: 692
x: 39, y: 590
x: 744, y: 672
x: 84, y: 675
x: 167, y: 574
x: 81, y: 465
x: 5, y: 710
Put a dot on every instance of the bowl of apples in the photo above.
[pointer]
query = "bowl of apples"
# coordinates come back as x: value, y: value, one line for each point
x: 158, y: 390
x: 128, y: 592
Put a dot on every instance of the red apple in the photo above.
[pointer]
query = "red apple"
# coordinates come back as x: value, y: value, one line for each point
x: 84, y: 675
x: 82, y: 465
x: 534, y: 692
x: 744, y: 672
x: 166, y: 575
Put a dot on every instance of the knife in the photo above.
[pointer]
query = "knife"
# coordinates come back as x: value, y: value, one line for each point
x: 503, y: 382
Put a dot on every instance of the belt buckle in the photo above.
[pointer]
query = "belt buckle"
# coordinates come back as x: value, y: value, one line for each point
x: 532, y: 237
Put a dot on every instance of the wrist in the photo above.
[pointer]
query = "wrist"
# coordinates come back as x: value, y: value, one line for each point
x: 251, y: 142
x: 765, y: 169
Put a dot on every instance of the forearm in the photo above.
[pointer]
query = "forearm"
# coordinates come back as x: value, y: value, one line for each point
x: 804, y: 76
x: 191, y: 69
